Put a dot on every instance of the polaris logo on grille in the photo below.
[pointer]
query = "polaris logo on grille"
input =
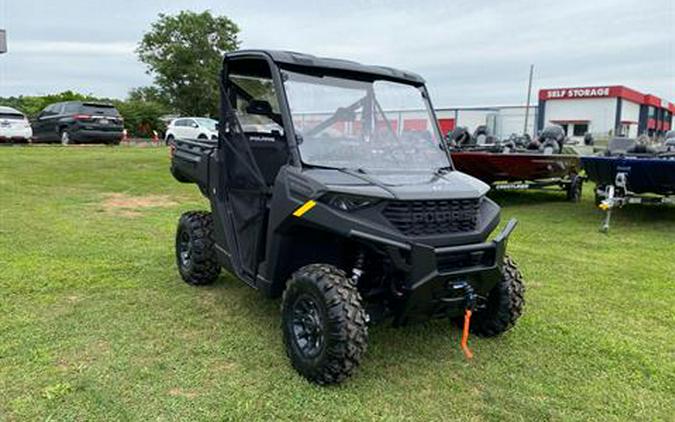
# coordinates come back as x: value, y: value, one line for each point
x: 441, y: 216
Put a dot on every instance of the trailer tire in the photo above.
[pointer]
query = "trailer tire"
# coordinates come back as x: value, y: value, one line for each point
x: 505, y: 303
x: 195, y: 248
x: 324, y: 324
x: 575, y: 188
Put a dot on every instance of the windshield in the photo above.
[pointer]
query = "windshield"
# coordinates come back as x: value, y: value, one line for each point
x: 11, y: 116
x: 209, y: 124
x: 376, y: 125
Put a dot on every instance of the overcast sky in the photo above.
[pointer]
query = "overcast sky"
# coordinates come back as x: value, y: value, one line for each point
x: 470, y: 52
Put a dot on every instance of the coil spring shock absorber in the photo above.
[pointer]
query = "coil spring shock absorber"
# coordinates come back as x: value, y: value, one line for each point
x: 357, y: 270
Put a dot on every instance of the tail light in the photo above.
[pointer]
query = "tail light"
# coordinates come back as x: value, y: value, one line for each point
x: 81, y: 117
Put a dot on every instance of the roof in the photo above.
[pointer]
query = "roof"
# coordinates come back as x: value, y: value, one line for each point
x: 294, y: 59
x: 4, y: 109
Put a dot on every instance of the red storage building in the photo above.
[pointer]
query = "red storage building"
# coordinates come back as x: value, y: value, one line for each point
x: 604, y: 111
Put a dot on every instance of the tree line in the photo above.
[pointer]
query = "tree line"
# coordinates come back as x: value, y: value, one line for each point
x: 183, y: 53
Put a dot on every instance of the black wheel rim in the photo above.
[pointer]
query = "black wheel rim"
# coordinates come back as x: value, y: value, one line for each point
x: 306, y: 326
x: 185, y: 249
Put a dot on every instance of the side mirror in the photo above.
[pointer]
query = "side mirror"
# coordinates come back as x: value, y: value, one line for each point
x: 194, y: 125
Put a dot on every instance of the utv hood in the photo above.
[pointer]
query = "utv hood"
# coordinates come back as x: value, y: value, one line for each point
x: 400, y: 185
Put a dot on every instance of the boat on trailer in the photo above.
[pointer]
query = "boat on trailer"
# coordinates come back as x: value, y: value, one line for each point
x: 532, y: 164
x: 631, y: 173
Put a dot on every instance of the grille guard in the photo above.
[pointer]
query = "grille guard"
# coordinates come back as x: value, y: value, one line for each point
x: 428, y: 280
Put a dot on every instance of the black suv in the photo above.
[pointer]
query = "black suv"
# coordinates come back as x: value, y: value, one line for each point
x: 79, y: 121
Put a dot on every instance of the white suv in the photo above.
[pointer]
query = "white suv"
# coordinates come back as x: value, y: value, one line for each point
x: 199, y: 128
x: 14, y: 126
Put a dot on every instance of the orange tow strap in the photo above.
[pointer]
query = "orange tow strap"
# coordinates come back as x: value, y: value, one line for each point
x: 465, y: 334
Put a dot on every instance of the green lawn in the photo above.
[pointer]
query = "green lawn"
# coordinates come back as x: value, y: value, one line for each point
x: 95, y: 322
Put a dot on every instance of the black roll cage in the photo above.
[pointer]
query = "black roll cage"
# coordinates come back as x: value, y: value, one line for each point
x: 275, y: 68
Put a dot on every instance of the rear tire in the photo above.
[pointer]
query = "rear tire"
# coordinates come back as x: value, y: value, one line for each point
x: 195, y: 248
x: 324, y: 324
x: 575, y: 188
x: 504, y: 303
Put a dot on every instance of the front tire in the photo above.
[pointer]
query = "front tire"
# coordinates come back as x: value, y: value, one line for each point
x: 504, y: 303
x: 195, y: 248
x: 324, y: 324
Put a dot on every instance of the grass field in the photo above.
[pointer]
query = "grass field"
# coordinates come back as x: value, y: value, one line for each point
x: 95, y: 322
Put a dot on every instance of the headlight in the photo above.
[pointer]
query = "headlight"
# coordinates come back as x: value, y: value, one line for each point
x: 347, y: 202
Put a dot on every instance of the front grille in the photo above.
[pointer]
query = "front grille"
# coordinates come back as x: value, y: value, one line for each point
x: 424, y: 218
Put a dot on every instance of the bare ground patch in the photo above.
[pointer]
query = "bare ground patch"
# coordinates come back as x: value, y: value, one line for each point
x: 177, y: 392
x: 124, y: 205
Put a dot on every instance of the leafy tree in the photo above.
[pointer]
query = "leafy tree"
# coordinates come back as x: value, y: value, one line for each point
x: 147, y: 93
x: 32, y: 105
x: 184, y: 53
x: 142, y: 117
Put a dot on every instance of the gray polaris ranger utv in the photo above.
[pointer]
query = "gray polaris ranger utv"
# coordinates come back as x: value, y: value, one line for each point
x: 330, y: 185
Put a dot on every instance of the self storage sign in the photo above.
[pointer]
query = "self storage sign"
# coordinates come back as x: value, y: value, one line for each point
x: 551, y: 94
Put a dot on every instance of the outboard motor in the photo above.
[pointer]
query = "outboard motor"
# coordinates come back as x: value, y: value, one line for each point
x: 460, y: 136
x: 481, y: 135
x: 552, y: 139
x: 588, y: 139
x: 533, y: 145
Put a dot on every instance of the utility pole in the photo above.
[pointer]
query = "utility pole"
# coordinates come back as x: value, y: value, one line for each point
x: 3, y: 41
x: 527, y: 104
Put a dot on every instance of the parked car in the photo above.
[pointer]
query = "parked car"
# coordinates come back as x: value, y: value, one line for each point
x: 199, y: 128
x: 79, y: 121
x: 14, y: 126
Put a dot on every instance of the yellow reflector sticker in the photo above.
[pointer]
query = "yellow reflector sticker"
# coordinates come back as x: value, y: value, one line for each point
x: 304, y: 208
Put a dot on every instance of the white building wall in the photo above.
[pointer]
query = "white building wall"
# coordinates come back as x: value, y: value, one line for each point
x: 600, y: 113
x: 502, y: 121
x: 630, y: 111
x: 512, y: 120
x: 472, y: 118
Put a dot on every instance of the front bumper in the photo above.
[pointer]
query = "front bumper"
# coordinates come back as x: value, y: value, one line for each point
x: 433, y: 274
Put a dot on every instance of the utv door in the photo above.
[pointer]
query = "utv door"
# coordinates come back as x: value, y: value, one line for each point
x: 251, y: 151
